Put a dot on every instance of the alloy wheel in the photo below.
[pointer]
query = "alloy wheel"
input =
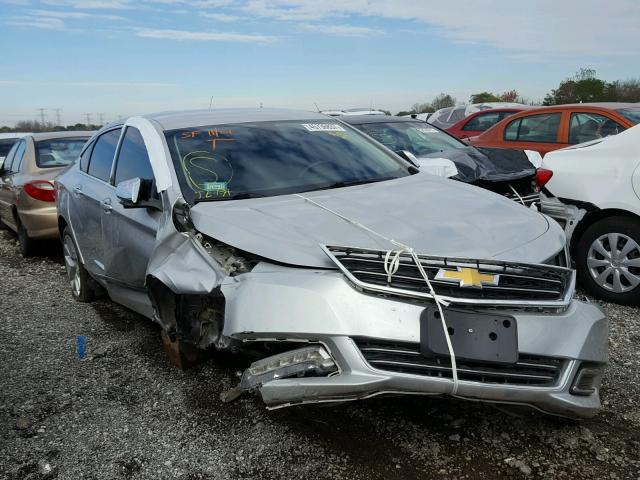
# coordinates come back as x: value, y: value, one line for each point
x: 72, y: 265
x: 613, y: 261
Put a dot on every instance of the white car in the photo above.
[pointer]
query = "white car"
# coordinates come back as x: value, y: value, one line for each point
x: 593, y: 191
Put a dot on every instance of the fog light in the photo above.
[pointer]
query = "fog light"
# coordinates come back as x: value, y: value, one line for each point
x: 314, y: 360
x: 587, y: 381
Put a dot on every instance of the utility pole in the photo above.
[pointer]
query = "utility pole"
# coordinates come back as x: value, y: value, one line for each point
x: 41, y: 110
x: 58, y: 120
x: 88, y: 117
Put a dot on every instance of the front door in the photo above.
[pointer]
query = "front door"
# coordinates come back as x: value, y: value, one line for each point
x: 89, y: 191
x: 129, y: 233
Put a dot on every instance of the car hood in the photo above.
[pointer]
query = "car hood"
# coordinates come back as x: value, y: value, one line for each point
x: 488, y: 164
x: 433, y: 215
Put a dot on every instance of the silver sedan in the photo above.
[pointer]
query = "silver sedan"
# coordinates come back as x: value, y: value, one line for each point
x: 352, y: 272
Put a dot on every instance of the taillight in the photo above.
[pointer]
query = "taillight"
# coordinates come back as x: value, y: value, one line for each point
x: 42, y: 190
x: 543, y: 176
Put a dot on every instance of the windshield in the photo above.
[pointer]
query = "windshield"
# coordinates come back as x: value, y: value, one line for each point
x: 5, y: 146
x: 58, y: 152
x: 419, y: 138
x: 632, y: 114
x: 223, y: 162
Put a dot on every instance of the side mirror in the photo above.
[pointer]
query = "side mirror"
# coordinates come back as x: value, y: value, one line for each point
x: 409, y: 157
x: 128, y: 192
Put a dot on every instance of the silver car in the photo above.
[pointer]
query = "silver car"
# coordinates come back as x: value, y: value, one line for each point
x: 353, y: 273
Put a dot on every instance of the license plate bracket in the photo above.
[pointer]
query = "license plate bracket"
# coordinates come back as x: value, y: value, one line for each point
x: 479, y: 336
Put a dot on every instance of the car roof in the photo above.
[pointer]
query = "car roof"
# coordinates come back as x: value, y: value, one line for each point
x: 363, y: 119
x: 11, y: 135
x: 67, y: 134
x: 605, y: 105
x: 504, y: 109
x: 197, y: 118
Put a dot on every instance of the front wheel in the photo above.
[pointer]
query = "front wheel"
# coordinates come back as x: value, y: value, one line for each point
x: 76, y: 273
x: 608, y: 260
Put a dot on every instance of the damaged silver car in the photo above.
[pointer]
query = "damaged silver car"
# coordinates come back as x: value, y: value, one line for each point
x: 350, y: 271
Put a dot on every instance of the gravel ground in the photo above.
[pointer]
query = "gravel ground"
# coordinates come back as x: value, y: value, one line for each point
x: 126, y: 412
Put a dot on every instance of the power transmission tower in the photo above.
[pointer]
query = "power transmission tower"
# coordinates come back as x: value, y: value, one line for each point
x: 41, y: 110
x: 88, y: 117
x: 101, y: 116
x: 58, y: 120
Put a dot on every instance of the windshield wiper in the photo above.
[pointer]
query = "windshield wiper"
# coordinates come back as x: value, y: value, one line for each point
x: 237, y: 196
x: 351, y: 183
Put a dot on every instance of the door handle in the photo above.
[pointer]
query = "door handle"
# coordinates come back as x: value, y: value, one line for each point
x: 77, y: 190
x: 106, y: 205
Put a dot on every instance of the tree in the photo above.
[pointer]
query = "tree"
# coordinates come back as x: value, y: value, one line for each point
x: 584, y: 86
x: 443, y: 100
x: 511, y: 96
x: 483, y: 97
x: 422, y: 108
x: 624, y: 90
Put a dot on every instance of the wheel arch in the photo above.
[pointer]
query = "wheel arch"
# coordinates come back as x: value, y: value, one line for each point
x: 595, y: 216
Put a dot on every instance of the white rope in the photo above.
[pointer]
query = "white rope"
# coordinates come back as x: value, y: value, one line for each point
x: 391, y: 265
x: 517, y: 195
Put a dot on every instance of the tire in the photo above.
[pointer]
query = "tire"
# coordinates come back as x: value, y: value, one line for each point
x: 611, y: 276
x: 76, y: 273
x: 28, y: 245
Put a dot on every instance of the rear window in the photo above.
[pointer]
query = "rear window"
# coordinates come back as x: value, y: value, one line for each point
x: 5, y: 146
x: 58, y: 152
x: 632, y: 114
x: 419, y: 138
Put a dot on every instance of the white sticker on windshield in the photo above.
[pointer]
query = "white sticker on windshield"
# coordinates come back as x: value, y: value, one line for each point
x: 323, y: 127
x: 426, y: 129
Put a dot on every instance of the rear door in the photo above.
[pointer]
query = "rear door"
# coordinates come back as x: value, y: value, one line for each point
x: 5, y: 174
x: 129, y: 233
x: 541, y: 132
x: 8, y: 187
x: 90, y: 189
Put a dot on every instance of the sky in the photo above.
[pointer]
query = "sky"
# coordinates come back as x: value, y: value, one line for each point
x: 113, y: 58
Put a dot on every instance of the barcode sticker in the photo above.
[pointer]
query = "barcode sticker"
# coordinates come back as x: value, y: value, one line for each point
x: 323, y: 127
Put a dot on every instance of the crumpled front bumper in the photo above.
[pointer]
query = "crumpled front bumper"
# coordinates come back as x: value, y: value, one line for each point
x: 313, y: 306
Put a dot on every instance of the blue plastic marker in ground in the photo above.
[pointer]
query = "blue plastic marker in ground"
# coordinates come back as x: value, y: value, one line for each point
x: 81, y: 346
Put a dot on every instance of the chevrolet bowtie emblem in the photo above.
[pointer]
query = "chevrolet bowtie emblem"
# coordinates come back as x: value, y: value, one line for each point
x: 467, y: 277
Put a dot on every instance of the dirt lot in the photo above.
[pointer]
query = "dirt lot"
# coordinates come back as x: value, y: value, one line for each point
x: 126, y: 412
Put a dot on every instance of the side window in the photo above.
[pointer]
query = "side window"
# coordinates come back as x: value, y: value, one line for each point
x: 6, y: 166
x: 84, y: 158
x: 483, y: 121
x: 133, y: 159
x: 17, y: 157
x: 585, y: 127
x: 541, y: 128
x: 102, y: 155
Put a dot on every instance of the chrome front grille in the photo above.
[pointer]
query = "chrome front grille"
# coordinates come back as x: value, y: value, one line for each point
x: 406, y: 358
x: 518, y: 284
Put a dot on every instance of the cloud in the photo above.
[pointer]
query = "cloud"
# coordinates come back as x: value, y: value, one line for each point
x: 182, y: 35
x: 37, y: 22
x: 118, y: 85
x: 544, y: 27
x: 341, y: 30
x: 91, y: 4
x: 71, y: 15
x: 221, y: 17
